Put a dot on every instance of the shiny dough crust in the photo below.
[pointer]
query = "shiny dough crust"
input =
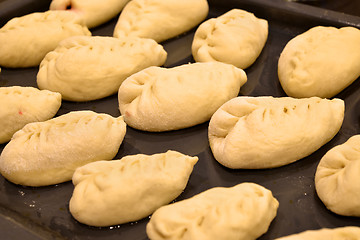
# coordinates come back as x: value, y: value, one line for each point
x: 126, y: 190
x: 242, y: 212
x: 236, y: 37
x: 82, y: 65
x: 24, y: 41
x: 94, y: 12
x: 337, y: 178
x: 160, y: 20
x: 267, y: 132
x: 320, y: 62
x: 163, y: 99
x: 46, y: 153
x: 22, y: 105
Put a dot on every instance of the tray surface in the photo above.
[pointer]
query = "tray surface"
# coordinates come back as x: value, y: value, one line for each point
x: 42, y: 213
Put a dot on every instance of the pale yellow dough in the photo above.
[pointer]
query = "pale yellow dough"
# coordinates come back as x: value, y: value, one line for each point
x: 341, y: 233
x: 46, y: 153
x: 320, y: 62
x: 22, y: 105
x: 236, y: 37
x: 24, y: 41
x: 160, y: 20
x: 126, y: 190
x: 337, y: 178
x: 82, y: 65
x: 163, y: 99
x: 242, y: 212
x: 94, y: 12
x: 267, y: 132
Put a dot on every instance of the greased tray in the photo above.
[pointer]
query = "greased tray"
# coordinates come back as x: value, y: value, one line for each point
x: 42, y: 213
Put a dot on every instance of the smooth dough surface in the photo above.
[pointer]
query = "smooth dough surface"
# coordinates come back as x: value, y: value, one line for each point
x: 22, y: 105
x: 242, y: 212
x: 94, y: 12
x: 320, y: 62
x: 46, y: 153
x: 337, y: 178
x: 126, y: 190
x: 82, y: 65
x: 267, y: 132
x: 236, y: 37
x: 161, y: 99
x: 160, y: 20
x: 341, y: 233
x: 24, y: 41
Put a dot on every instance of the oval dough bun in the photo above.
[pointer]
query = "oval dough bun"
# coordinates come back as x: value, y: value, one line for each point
x: 126, y: 190
x: 337, y: 178
x: 161, y: 99
x: 320, y: 62
x: 267, y: 132
x: 236, y: 37
x: 242, y: 212
x: 160, y: 20
x: 24, y: 41
x: 82, y: 65
x: 46, y: 153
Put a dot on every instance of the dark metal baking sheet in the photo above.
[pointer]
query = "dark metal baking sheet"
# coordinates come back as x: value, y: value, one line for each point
x: 42, y: 213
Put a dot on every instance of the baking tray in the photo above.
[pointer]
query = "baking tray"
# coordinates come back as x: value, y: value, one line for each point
x: 42, y: 213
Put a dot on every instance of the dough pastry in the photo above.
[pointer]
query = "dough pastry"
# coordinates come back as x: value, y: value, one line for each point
x: 127, y: 190
x: 242, y: 212
x: 159, y: 99
x: 25, y: 41
x: 94, y: 12
x: 22, y: 105
x: 236, y: 37
x: 46, y: 153
x: 267, y: 132
x: 160, y: 20
x: 82, y: 65
x: 341, y: 233
x: 320, y: 62
x: 337, y: 178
